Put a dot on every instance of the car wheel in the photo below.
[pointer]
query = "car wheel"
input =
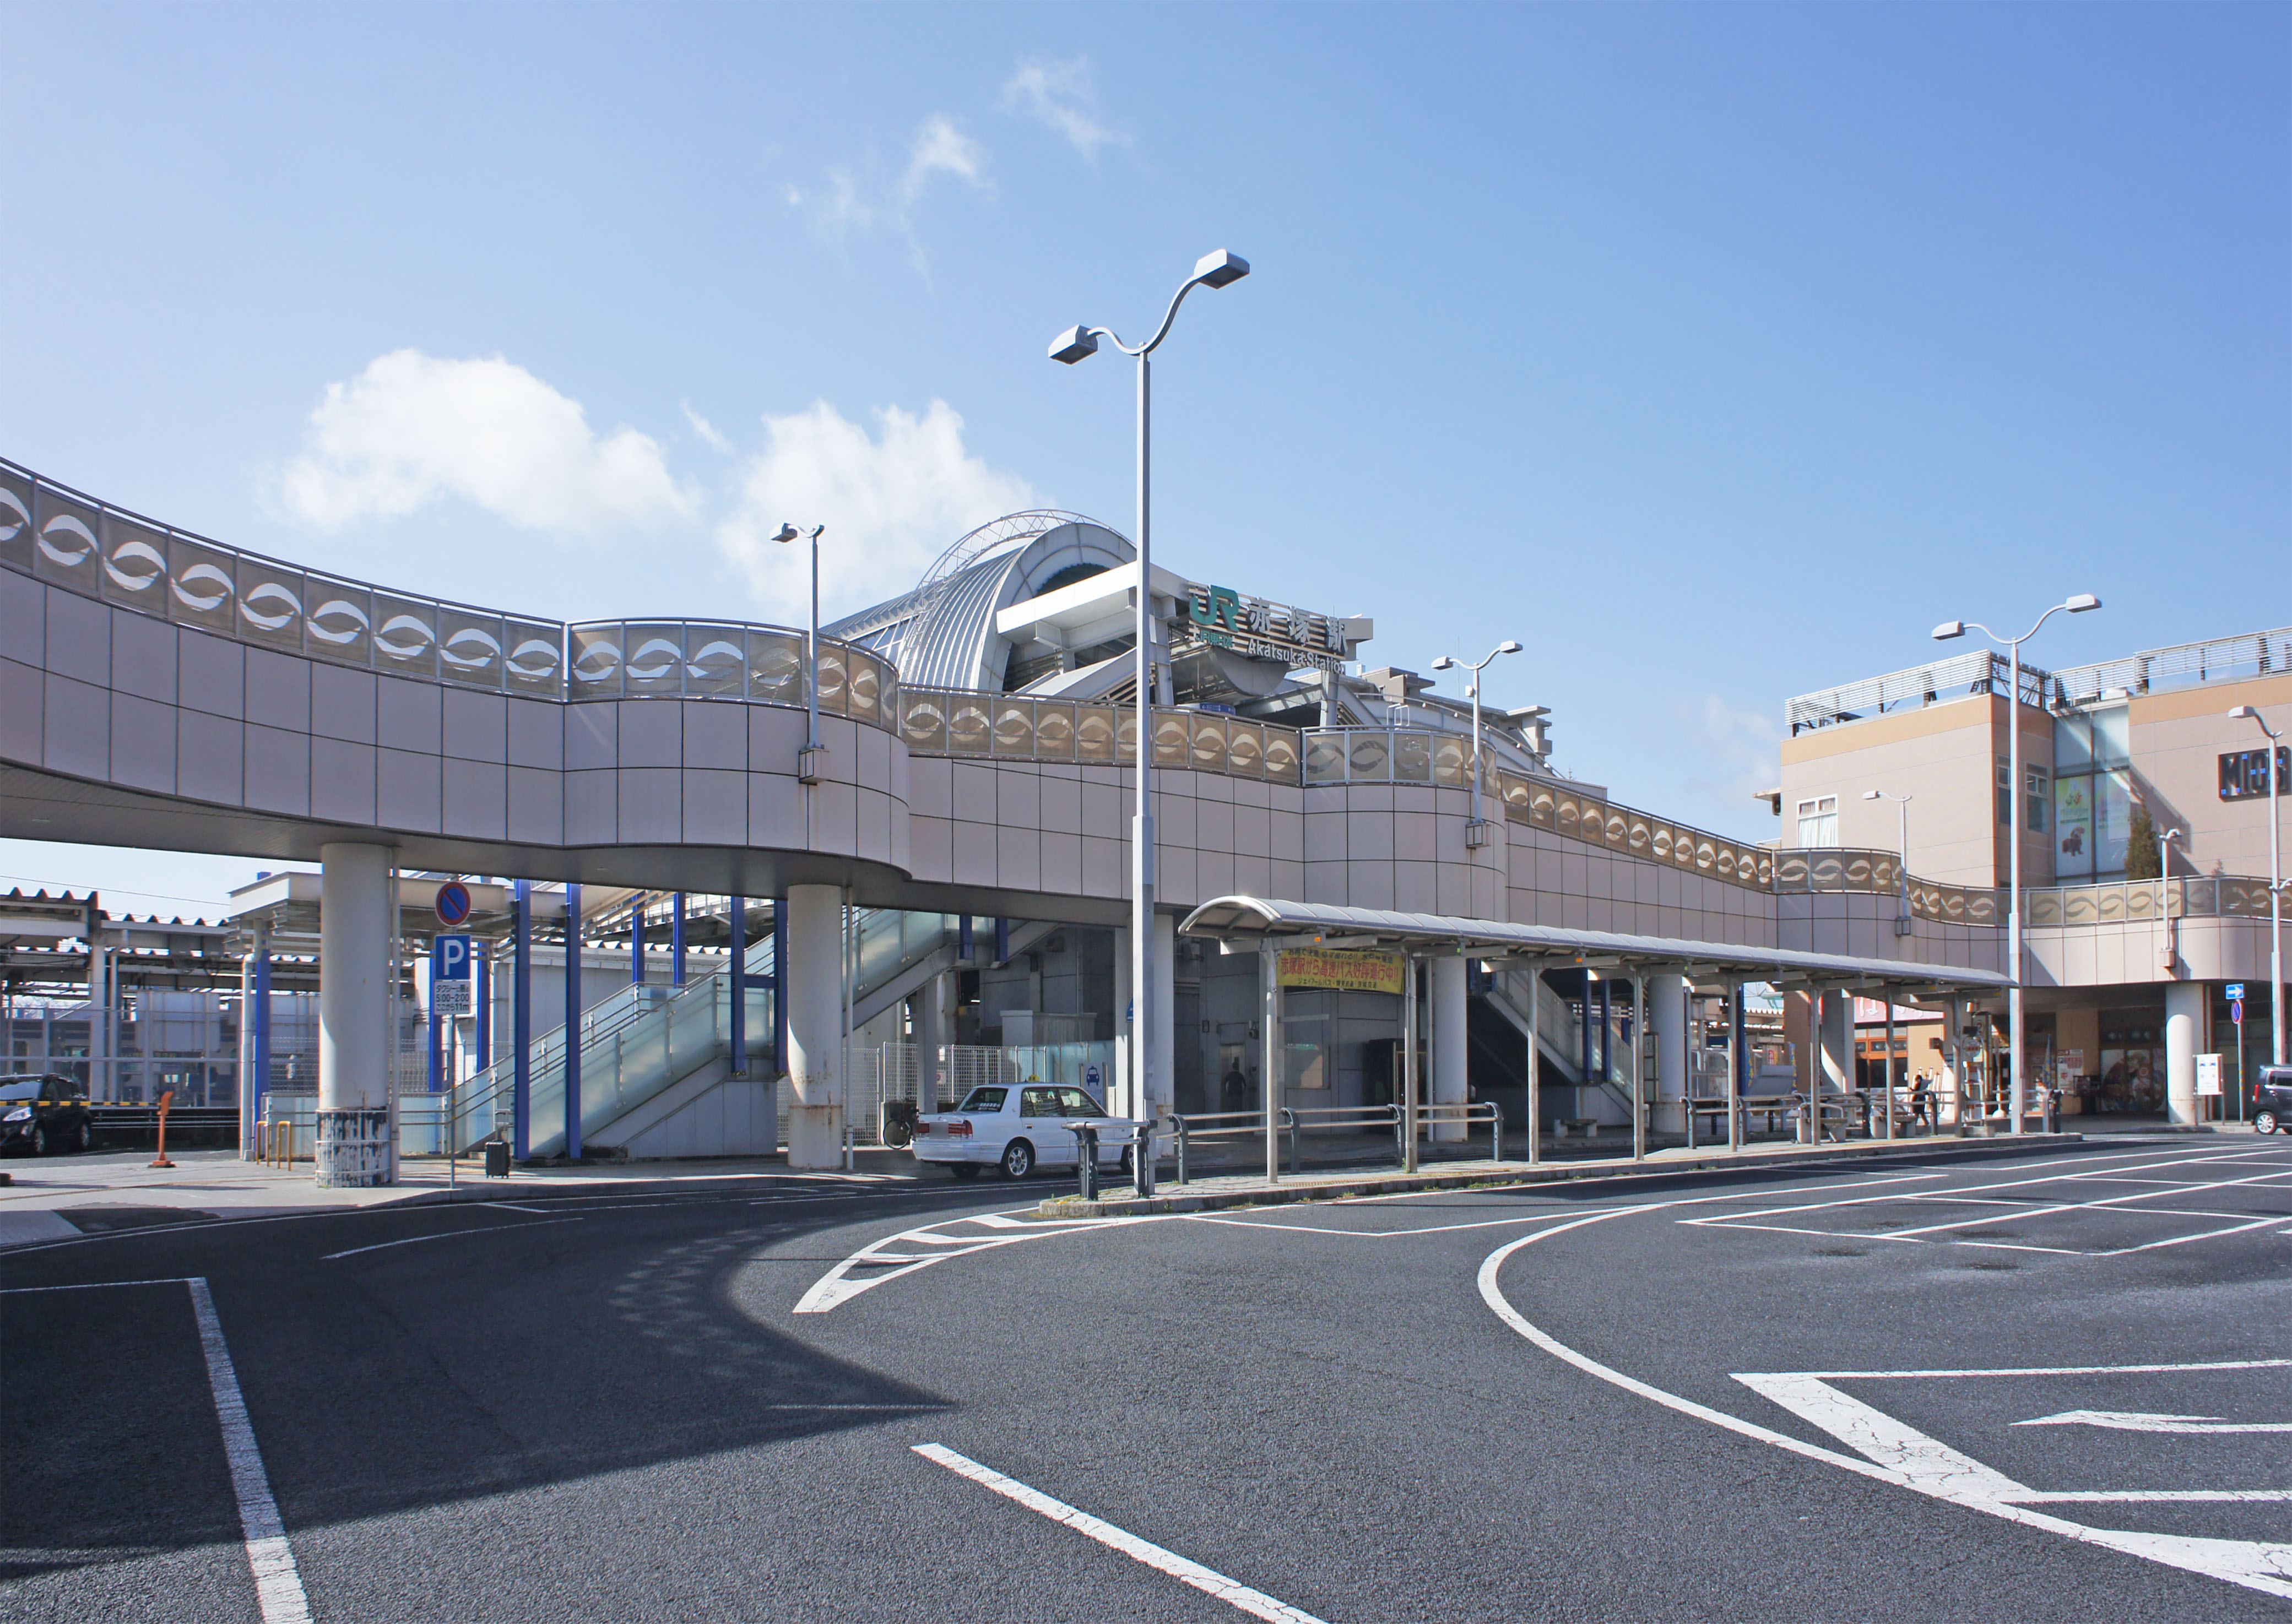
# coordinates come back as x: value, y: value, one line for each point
x: 964, y: 1170
x: 1018, y: 1158
x: 2265, y: 1123
x: 86, y: 1139
x: 40, y: 1141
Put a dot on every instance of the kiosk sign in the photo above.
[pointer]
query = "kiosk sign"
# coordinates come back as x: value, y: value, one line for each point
x: 1344, y: 970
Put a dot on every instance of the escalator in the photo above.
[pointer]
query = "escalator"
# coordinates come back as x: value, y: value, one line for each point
x: 656, y: 1061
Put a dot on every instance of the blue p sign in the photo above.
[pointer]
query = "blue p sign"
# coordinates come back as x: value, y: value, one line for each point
x: 450, y: 957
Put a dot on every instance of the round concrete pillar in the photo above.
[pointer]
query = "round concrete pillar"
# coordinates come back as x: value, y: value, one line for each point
x: 813, y: 984
x: 1667, y: 1019
x: 2185, y: 1027
x: 1449, y: 1084
x: 355, y: 1148
x: 1162, y: 1040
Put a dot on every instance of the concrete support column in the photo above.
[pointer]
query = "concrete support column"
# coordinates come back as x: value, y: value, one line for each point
x: 2184, y: 1034
x: 1450, y: 1087
x: 355, y: 1143
x: 1162, y: 1046
x: 1667, y: 997
x: 1125, y: 1091
x: 812, y: 980
x: 1837, y: 1044
x: 930, y: 1008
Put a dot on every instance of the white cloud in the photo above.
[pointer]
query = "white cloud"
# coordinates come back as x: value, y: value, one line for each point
x: 412, y: 430
x: 1062, y: 95
x: 1737, y: 752
x: 892, y: 501
x: 940, y: 149
x: 706, y: 430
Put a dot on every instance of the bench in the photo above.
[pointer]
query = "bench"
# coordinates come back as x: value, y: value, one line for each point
x: 1583, y: 1127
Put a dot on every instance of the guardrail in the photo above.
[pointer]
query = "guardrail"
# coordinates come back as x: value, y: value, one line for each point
x: 1464, y: 1114
x: 2135, y: 901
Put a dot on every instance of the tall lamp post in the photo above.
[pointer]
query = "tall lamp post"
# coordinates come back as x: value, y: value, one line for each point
x: 2275, y: 879
x: 2017, y: 1095
x: 1473, y: 831
x: 807, y: 762
x: 1216, y: 269
x: 1902, y: 866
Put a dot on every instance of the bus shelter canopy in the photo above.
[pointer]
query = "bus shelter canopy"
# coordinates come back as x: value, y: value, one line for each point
x: 1249, y: 921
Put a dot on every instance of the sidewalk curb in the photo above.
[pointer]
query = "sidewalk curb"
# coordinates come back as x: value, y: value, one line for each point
x: 1517, y: 1175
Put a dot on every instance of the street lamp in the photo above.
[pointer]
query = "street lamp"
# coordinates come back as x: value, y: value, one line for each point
x: 807, y: 760
x: 1474, y: 830
x: 1902, y: 917
x: 1215, y: 269
x: 2275, y: 880
x: 2017, y: 1095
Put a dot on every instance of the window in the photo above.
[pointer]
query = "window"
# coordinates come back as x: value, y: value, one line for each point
x: 1038, y: 1102
x: 984, y: 1099
x: 2006, y: 791
x: 1074, y: 1102
x: 1818, y: 821
x: 2037, y: 789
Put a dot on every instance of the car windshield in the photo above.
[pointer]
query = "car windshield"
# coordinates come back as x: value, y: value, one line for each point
x: 26, y: 1089
x: 985, y: 1099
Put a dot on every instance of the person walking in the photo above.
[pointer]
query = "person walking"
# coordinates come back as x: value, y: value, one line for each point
x: 1920, y: 1098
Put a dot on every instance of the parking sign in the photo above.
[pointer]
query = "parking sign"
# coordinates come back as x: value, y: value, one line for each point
x: 450, y: 975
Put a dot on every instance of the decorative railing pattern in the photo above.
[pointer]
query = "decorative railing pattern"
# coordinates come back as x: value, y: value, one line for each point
x: 1547, y: 805
x: 2138, y: 901
x: 722, y: 659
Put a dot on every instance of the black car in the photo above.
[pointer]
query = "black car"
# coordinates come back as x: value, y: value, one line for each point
x: 45, y: 1114
x: 2272, y: 1098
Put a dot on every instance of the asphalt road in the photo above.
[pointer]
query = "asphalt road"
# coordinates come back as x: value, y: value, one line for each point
x: 1451, y: 1407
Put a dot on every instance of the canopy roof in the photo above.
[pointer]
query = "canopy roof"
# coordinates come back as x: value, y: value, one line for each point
x: 1250, y: 918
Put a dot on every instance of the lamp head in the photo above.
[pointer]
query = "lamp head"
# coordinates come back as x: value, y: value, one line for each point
x: 1948, y: 630
x: 2083, y: 601
x: 1870, y: 795
x: 2243, y: 713
x: 1507, y: 647
x: 1220, y: 269
x: 1074, y: 344
x: 786, y: 534
x: 1443, y: 663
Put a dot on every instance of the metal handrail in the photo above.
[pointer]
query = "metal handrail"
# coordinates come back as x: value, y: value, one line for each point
x: 1467, y: 1113
x: 1248, y: 1123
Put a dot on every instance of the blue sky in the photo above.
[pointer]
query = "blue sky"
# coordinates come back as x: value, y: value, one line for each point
x: 1715, y: 352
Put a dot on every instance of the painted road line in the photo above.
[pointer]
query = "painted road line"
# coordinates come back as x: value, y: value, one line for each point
x: 2051, y: 1369
x: 2251, y: 1563
x: 1208, y: 1581
x: 2134, y: 1497
x: 448, y: 1234
x: 278, y: 1586
x: 96, y: 1285
x: 2131, y: 1420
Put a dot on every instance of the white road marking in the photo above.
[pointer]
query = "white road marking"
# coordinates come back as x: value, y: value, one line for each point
x: 1208, y: 1581
x: 2132, y: 1420
x: 1389, y: 1234
x: 2088, y: 1496
x: 841, y: 1284
x: 1929, y: 1467
x: 1925, y: 1463
x: 448, y: 1234
x: 96, y: 1285
x: 277, y: 1585
x: 2051, y: 1370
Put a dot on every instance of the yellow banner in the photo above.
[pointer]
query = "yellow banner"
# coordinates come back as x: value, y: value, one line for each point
x: 1346, y: 971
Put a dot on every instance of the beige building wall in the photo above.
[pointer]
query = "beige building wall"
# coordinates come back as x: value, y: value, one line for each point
x: 2178, y: 740
x: 1945, y: 757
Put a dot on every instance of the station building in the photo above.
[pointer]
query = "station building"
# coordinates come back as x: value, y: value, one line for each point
x: 2129, y: 961
x: 946, y: 873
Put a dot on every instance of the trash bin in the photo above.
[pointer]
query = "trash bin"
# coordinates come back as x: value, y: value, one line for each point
x: 496, y: 1158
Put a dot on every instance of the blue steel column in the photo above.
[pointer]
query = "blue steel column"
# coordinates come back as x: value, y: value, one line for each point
x: 437, y: 1068
x: 779, y: 986
x: 482, y: 1038
x: 1607, y: 1030
x: 572, y: 1021
x: 739, y: 981
x: 520, y: 1022
x: 260, y: 1015
x: 636, y: 942
x: 676, y: 941
x: 1584, y: 1054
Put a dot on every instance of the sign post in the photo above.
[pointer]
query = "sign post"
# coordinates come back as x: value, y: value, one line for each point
x: 2209, y: 1076
x: 2236, y: 1014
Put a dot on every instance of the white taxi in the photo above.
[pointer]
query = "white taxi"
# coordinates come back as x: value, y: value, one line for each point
x: 1019, y: 1127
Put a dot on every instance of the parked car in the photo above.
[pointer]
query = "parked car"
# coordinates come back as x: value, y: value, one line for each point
x: 44, y: 1114
x: 1019, y: 1127
x: 2272, y: 1098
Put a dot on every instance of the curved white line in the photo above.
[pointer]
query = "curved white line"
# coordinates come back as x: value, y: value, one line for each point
x: 2256, y: 1566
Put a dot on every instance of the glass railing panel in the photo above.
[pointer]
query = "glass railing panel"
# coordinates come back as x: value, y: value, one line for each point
x: 338, y: 620
x: 776, y: 667
x: 270, y: 604
x: 1015, y: 726
x: 1282, y: 761
x: 16, y: 547
x: 1054, y: 730
x: 1206, y: 744
x: 1412, y: 758
x: 922, y: 721
x: 970, y: 725
x: 596, y: 661
x: 135, y: 565
x: 863, y: 686
x: 470, y: 647
x: 405, y: 635
x: 1325, y: 758
x: 1452, y: 761
x: 1369, y: 758
x: 1095, y: 734
x: 536, y: 657
x: 652, y: 662
x: 834, y: 680
x: 715, y: 662
x: 64, y: 548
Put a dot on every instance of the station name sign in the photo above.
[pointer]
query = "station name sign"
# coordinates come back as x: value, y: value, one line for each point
x: 1267, y: 631
x: 1344, y: 970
